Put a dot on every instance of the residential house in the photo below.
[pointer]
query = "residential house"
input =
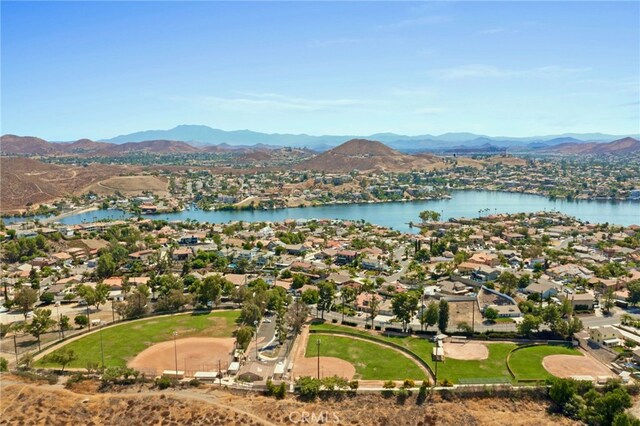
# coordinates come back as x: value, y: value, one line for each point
x: 606, y: 335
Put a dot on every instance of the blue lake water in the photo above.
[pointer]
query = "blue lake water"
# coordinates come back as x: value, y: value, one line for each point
x: 397, y: 215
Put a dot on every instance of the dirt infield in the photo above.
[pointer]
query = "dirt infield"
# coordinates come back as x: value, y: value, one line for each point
x: 566, y: 366
x: 466, y: 351
x: 329, y: 366
x: 194, y: 354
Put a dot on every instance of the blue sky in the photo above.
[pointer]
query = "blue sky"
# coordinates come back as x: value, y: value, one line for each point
x: 96, y: 70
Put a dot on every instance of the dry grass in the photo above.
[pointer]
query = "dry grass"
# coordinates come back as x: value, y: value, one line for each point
x: 131, y: 185
x: 31, y: 404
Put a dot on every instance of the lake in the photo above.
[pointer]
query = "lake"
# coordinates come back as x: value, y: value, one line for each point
x: 397, y: 215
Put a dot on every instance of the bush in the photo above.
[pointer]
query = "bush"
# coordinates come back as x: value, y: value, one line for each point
x: 389, y: 384
x: 81, y: 320
x: 408, y: 383
x: 4, y: 364
x: 75, y: 378
x: 308, y: 387
x: 334, y: 320
x: 422, y: 393
x: 281, y: 391
x: 164, y: 382
x: 354, y: 385
x: 194, y: 383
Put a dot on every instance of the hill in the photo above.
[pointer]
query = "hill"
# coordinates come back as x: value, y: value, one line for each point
x: 25, y: 145
x: 26, y: 181
x: 366, y: 155
x: 152, y: 147
x: 618, y: 147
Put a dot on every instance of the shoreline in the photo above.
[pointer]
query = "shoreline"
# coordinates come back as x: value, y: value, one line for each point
x: 69, y: 214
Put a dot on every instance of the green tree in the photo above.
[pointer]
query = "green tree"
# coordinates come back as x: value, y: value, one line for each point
x: 326, y: 293
x: 491, y: 314
x: 310, y: 296
x: 250, y: 314
x: 508, y: 282
x: 443, y: 315
x: 608, y: 301
x: 561, y: 391
x: 625, y: 419
x: 243, y: 337
x: 40, y: 323
x: 94, y: 296
x: 63, y: 356
x: 308, y: 387
x: 106, y: 266
x: 611, y: 404
x: 64, y: 324
x: 529, y: 324
x: 81, y: 320
x: 430, y: 315
x: 25, y: 299
x: 634, y: 292
x: 404, y: 306
x: 429, y: 215
x: 209, y: 289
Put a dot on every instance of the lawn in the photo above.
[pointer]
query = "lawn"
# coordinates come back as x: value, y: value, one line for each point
x: 526, y: 363
x: 452, y: 369
x: 371, y: 361
x: 123, y: 342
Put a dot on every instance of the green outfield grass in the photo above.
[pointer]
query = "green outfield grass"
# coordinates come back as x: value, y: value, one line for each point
x: 371, y: 361
x: 526, y: 363
x: 123, y: 342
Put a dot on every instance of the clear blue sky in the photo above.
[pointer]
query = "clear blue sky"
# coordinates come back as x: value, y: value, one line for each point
x: 96, y: 70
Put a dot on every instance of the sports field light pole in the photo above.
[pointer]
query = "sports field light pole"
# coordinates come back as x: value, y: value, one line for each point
x: 256, y: 324
x: 175, y: 350
x: 101, y: 347
x: 318, y: 344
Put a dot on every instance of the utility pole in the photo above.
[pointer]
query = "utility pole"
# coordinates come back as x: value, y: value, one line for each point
x: 15, y: 347
x: 101, y: 347
x: 175, y: 350
x: 473, y: 316
x: 318, y: 344
x: 256, y: 324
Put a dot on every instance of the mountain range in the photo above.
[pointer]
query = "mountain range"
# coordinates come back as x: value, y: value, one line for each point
x: 29, y: 145
x: 200, y: 135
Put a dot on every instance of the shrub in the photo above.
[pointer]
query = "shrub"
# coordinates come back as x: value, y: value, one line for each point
x: 334, y: 320
x: 389, y: 384
x: 75, y: 378
x: 308, y: 387
x: 164, y: 382
x: 4, y: 364
x: 281, y: 391
x: 354, y: 385
x: 408, y: 383
x: 422, y: 393
x: 81, y: 320
x: 194, y: 383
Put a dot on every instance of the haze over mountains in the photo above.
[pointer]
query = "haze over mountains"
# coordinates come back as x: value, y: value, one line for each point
x: 253, y: 143
x: 204, y: 135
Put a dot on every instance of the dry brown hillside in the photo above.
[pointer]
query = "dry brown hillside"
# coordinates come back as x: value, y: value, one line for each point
x: 44, y: 404
x: 25, y: 181
x: 366, y: 155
